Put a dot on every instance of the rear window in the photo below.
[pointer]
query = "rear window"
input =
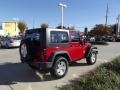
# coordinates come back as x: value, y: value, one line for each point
x: 32, y: 31
x: 33, y: 34
x: 59, y: 37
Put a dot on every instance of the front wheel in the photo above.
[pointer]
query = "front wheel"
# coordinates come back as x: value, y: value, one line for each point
x: 92, y: 58
x: 60, y: 67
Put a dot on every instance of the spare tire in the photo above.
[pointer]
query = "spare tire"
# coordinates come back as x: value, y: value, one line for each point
x: 24, y: 52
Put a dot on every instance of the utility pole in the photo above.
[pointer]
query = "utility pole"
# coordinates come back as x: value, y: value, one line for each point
x: 118, y: 28
x: 107, y: 10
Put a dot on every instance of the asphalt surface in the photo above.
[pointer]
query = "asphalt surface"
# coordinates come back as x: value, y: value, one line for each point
x: 17, y: 76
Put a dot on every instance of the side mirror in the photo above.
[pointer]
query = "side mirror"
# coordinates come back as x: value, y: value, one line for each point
x: 82, y: 41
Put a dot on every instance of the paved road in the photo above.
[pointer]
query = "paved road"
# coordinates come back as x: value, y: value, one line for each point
x: 17, y: 76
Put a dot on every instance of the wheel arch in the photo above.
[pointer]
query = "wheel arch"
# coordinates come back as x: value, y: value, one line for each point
x: 90, y: 49
x: 60, y: 53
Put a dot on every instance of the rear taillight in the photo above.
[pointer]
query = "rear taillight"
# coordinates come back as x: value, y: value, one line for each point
x: 43, y: 55
x: 40, y: 55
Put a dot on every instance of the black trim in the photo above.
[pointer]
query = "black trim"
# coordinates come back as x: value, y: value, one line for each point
x: 48, y: 38
x: 53, y: 55
x: 42, y: 38
x: 90, y: 50
x: 42, y: 65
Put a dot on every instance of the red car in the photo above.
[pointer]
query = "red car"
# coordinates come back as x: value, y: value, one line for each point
x: 53, y: 49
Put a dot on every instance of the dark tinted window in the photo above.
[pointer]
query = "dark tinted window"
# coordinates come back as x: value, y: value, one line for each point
x: 75, y: 37
x: 59, y: 37
x: 33, y: 34
x: 32, y: 31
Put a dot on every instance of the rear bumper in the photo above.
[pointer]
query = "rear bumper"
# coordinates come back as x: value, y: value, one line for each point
x: 42, y: 65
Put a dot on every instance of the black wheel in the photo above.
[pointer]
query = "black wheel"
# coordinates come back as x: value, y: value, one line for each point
x: 23, y: 52
x: 92, y: 58
x: 60, y: 68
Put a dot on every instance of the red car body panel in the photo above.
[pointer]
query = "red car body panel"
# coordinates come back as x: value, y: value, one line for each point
x: 76, y: 50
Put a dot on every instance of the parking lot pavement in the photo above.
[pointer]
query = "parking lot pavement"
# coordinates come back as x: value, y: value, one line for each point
x: 17, y: 76
x: 9, y: 55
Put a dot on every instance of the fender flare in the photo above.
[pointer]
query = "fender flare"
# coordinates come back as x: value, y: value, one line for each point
x: 54, y: 54
x: 90, y: 50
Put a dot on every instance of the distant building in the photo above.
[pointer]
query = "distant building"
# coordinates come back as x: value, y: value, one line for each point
x: 1, y: 30
x: 9, y: 28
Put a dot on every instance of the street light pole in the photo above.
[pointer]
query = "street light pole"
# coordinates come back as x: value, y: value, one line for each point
x: 118, y: 31
x: 107, y: 10
x: 62, y: 13
x: 62, y: 18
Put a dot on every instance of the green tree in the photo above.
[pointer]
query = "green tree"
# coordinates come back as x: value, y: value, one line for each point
x: 22, y: 27
x: 44, y: 25
x: 101, y: 30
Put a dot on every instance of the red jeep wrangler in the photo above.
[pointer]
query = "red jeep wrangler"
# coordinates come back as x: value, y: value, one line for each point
x: 53, y: 49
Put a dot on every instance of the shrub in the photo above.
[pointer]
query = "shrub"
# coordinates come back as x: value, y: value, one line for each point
x: 104, y: 77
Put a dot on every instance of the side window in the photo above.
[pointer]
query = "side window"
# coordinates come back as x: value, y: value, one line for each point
x: 59, y: 37
x: 75, y: 37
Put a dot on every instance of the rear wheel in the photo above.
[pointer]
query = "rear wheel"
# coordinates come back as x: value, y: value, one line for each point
x: 92, y: 58
x: 60, y: 67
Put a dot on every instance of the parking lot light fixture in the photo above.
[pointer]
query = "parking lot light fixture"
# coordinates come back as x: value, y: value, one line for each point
x: 62, y: 12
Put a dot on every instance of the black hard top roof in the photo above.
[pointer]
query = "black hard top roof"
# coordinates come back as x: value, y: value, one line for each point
x: 38, y: 30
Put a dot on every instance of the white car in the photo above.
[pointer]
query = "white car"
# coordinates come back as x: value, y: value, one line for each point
x: 9, y: 42
x: 92, y: 39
